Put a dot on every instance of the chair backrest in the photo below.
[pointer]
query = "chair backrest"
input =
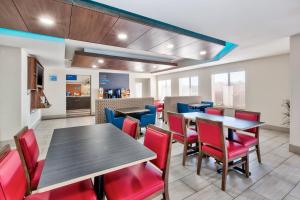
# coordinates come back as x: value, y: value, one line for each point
x: 248, y: 115
x: 151, y: 108
x: 211, y: 133
x: 131, y: 127
x: 109, y: 114
x: 215, y: 111
x: 28, y: 148
x: 182, y: 108
x: 176, y: 123
x: 159, y: 141
x: 12, y: 176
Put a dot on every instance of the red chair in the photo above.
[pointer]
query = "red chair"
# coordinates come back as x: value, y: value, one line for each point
x: 159, y: 108
x: 13, y: 182
x: 248, y: 140
x: 215, y: 111
x: 182, y: 134
x: 29, y: 152
x: 131, y: 127
x: 213, y: 144
x: 146, y: 180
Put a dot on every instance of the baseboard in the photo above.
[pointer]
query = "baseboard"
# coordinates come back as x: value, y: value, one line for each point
x: 53, y: 117
x: 294, y: 149
x: 276, y: 128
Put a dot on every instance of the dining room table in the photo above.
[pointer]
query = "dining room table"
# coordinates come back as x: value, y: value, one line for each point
x: 85, y: 152
x: 131, y: 110
x: 199, y: 105
x: 231, y: 123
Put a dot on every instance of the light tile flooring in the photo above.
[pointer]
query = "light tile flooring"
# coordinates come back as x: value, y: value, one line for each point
x: 277, y: 178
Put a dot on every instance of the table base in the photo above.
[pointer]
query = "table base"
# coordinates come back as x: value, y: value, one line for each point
x: 99, y: 187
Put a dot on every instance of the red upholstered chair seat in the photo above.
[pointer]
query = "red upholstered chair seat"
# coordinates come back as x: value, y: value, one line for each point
x: 192, y: 136
x: 245, y: 140
x: 36, y: 174
x: 234, y: 150
x: 130, y: 127
x: 215, y: 111
x: 133, y: 183
x: 13, y: 183
x: 30, y: 151
x: 77, y: 191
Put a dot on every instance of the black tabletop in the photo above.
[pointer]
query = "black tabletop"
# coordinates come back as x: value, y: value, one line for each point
x: 229, y: 122
x: 133, y: 110
x: 84, y: 152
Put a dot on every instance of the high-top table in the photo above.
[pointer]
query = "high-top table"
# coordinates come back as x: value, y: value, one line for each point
x: 229, y: 122
x: 85, y: 152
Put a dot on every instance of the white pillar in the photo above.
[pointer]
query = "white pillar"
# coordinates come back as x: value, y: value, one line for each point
x: 295, y: 93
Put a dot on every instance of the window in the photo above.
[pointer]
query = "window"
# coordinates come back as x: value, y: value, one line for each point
x: 188, y: 86
x: 228, y: 89
x: 138, y: 89
x: 164, y: 89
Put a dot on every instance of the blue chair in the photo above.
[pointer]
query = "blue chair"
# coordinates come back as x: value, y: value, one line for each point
x: 209, y: 103
x: 184, y: 108
x: 111, y: 118
x: 149, y: 117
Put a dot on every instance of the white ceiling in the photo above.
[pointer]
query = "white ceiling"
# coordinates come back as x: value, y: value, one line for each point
x: 259, y: 27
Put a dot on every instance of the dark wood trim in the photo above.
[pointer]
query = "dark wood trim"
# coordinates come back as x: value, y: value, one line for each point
x: 123, y: 58
x: 19, y: 149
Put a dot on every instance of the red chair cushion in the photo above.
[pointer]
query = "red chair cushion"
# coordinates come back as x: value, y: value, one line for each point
x: 192, y: 136
x: 159, y: 143
x: 36, y: 174
x: 176, y: 124
x: 210, y: 133
x: 245, y: 140
x: 12, y: 177
x: 129, y: 127
x: 214, y: 111
x: 234, y: 150
x: 133, y: 183
x: 30, y: 149
x: 248, y: 116
x: 160, y: 109
x: 77, y: 191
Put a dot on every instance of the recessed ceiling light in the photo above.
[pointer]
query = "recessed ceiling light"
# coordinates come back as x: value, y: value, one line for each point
x: 46, y: 21
x: 155, y: 66
x: 122, y: 36
x: 94, y: 66
x: 203, y: 53
x: 101, y: 61
x: 170, y: 46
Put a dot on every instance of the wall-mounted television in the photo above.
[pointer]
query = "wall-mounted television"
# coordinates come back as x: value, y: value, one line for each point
x: 39, y: 75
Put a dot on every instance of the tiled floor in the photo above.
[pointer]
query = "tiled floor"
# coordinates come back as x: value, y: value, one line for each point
x: 277, y: 178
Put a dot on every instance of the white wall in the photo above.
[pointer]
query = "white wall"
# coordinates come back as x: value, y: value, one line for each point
x: 295, y: 93
x: 267, y: 84
x: 56, y: 90
x: 14, y: 101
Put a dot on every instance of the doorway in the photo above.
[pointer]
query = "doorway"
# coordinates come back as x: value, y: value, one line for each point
x: 78, y: 95
x: 142, y: 87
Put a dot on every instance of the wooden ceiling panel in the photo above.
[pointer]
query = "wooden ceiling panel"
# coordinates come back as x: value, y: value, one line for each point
x: 151, y: 39
x: 10, y: 17
x: 89, y: 25
x: 87, y: 60
x: 193, y: 50
x: 32, y: 10
x: 132, y: 29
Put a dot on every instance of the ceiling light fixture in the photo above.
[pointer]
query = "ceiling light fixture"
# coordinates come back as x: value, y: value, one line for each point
x: 94, y: 66
x: 203, y: 53
x: 46, y: 21
x: 122, y: 36
x: 155, y: 66
x: 170, y: 46
x: 101, y: 61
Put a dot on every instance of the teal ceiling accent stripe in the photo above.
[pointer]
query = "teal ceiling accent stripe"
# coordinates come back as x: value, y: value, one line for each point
x: 129, y: 15
x: 10, y: 32
x: 228, y: 48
